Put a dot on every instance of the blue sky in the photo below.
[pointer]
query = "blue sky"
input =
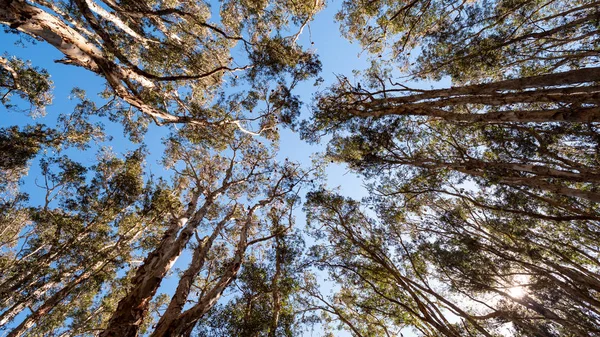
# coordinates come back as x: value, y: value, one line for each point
x: 337, y: 55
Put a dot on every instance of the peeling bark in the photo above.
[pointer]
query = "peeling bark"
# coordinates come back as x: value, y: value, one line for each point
x: 79, y: 51
x: 185, y: 282
x: 187, y: 320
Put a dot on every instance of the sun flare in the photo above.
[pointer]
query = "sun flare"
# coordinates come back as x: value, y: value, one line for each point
x: 518, y: 286
x: 517, y: 292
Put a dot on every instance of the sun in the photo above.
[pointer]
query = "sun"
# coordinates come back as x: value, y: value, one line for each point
x: 517, y: 292
x: 518, y: 286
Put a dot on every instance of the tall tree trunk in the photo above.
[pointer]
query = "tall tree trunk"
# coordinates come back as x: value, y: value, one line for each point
x: 185, y: 282
x: 133, y: 308
x: 439, y: 103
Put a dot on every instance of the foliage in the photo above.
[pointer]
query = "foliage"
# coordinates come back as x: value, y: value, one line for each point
x: 483, y: 196
x: 483, y: 210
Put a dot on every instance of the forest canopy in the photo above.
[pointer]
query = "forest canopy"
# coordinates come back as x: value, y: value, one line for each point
x: 161, y: 202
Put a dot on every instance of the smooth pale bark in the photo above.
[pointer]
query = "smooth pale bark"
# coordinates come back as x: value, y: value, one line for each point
x: 133, y: 308
x: 559, y: 88
x: 33, y: 21
x: 184, y: 324
x: 94, y: 7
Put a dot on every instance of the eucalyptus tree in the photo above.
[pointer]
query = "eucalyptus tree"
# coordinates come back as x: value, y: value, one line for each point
x: 227, y: 198
x: 509, y: 61
x: 457, y: 271
x: 69, y: 246
x: 506, y: 200
x: 56, y: 255
x: 74, y: 267
x: 92, y: 258
x: 550, y: 284
x: 169, y: 60
x: 492, y: 178
x: 547, y: 113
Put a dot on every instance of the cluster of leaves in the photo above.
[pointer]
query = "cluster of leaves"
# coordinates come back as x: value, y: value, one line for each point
x: 29, y: 83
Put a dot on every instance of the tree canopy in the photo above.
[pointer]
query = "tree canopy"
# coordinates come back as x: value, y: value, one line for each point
x: 475, y: 129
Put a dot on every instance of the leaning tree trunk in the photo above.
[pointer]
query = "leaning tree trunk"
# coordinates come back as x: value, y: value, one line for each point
x: 570, y: 96
x: 133, y: 308
x: 184, y: 286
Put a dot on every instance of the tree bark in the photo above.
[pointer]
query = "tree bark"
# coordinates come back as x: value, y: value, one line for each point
x: 275, y: 289
x: 79, y: 51
x: 188, y: 319
x: 185, y: 282
x: 557, y: 88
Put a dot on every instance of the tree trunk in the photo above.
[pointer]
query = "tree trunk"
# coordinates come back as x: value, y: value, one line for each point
x: 188, y: 319
x: 275, y: 289
x: 185, y: 282
x: 435, y: 103
x: 133, y: 308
